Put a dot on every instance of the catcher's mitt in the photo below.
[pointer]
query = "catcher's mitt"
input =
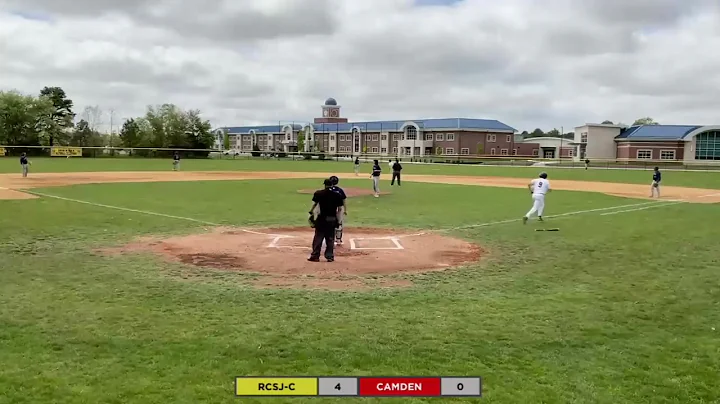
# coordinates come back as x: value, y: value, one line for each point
x: 311, y: 220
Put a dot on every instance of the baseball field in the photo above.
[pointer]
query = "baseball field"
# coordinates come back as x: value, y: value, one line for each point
x: 126, y: 282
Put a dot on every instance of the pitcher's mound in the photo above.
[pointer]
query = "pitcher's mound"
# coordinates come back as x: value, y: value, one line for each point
x: 279, y: 255
x: 349, y: 192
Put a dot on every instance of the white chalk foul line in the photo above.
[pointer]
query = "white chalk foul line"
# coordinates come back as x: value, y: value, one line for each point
x: 658, y: 205
x: 577, y: 212
x: 146, y: 212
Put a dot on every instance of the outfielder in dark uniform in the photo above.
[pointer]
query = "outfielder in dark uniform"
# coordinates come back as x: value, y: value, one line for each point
x: 396, y: 168
x: 342, y: 210
x: 326, y: 222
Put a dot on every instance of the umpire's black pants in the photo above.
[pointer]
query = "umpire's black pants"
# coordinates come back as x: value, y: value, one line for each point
x: 396, y: 175
x: 324, y: 231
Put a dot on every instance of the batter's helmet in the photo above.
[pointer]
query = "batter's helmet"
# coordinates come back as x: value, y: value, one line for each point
x: 543, y: 175
x: 334, y: 180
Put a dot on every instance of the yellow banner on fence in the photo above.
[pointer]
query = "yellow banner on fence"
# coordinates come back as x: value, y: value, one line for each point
x: 66, y: 151
x: 3, y: 151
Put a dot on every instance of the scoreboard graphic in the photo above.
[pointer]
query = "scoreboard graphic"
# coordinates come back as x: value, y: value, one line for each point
x: 337, y: 386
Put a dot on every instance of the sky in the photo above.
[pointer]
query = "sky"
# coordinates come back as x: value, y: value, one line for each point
x: 527, y: 63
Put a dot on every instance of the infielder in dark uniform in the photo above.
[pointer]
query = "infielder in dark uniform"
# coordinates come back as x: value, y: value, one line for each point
x: 655, y: 186
x: 176, y: 161
x: 342, y: 210
x: 396, y: 168
x: 326, y: 222
x: 376, y: 177
x: 25, y: 164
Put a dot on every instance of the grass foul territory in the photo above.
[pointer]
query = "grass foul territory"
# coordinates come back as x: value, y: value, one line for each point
x: 126, y: 282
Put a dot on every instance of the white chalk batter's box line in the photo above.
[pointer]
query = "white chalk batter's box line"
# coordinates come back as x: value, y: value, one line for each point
x: 394, y: 240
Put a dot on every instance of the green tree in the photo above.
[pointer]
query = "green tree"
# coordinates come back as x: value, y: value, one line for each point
x: 553, y: 133
x: 61, y: 117
x: 607, y: 123
x: 645, y: 121
x: 131, y: 134
x: 24, y: 120
x: 226, y: 140
x: 537, y: 133
x: 82, y: 134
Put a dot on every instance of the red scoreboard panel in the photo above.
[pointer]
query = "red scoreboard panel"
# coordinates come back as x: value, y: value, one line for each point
x: 338, y: 386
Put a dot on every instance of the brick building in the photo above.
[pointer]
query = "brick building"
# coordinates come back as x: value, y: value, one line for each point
x: 333, y: 134
x: 687, y: 143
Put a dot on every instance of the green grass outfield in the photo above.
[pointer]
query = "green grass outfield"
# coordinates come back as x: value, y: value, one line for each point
x: 614, y: 308
x: 696, y: 179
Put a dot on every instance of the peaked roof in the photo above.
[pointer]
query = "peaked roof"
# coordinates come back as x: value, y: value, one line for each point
x: 657, y: 132
x: 445, y: 123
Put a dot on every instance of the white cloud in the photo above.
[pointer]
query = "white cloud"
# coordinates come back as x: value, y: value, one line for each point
x: 527, y: 63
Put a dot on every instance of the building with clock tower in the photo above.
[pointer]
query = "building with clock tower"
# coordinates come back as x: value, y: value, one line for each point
x: 331, y: 113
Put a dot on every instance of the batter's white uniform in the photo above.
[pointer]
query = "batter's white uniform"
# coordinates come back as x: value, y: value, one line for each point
x: 540, y: 188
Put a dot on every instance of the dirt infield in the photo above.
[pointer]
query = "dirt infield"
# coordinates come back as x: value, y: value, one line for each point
x: 368, y: 258
x: 349, y: 192
x: 15, y: 182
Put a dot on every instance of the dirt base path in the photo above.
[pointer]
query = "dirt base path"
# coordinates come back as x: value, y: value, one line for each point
x: 11, y: 183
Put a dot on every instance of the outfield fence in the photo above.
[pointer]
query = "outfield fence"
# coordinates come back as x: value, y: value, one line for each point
x: 512, y: 161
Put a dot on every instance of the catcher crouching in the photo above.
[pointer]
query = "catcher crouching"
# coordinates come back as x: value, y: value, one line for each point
x: 326, y: 202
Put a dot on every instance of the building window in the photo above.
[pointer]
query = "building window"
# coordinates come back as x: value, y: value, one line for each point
x: 667, y: 154
x: 449, y: 150
x: 491, y: 138
x: 428, y: 136
x: 383, y: 150
x: 536, y: 152
x: 707, y: 146
x: 440, y: 137
x: 439, y: 151
x: 332, y: 137
x: 571, y: 153
x: 383, y: 137
x: 465, y: 151
x: 644, y: 154
x: 246, y: 147
x: 514, y: 152
x: 450, y: 137
x: 394, y: 150
x: 375, y: 138
x: 503, y: 152
x: 396, y: 136
x: 492, y: 151
x: 583, y: 137
x: 246, y: 138
x: 332, y: 148
x: 367, y: 138
x: 508, y: 138
x: 410, y: 133
x: 374, y: 150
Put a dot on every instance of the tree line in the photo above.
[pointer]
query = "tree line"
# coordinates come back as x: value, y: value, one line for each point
x: 49, y: 119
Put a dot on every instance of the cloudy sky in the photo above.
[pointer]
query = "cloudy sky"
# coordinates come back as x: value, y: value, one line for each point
x: 528, y: 63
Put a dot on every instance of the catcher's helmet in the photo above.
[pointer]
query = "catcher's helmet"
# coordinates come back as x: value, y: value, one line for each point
x: 543, y: 175
x: 334, y: 180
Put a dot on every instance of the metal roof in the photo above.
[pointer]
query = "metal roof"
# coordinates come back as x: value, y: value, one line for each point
x: 656, y: 132
x: 445, y: 123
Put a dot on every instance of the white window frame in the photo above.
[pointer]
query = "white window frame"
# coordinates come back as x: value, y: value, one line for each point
x: 440, y: 137
x: 503, y: 152
x: 395, y: 149
x: 637, y: 154
x: 396, y: 136
x: 367, y: 137
x: 374, y: 137
x: 450, y: 151
x: 246, y: 147
x: 332, y: 148
x: 508, y: 138
x: 383, y: 137
x: 535, y: 152
x: 465, y: 151
x: 583, y: 137
x: 491, y: 138
x: 450, y: 137
x: 492, y: 151
x: 571, y: 153
x: 428, y: 136
x: 674, y: 153
x: 515, y: 152
x: 439, y: 151
x: 383, y: 150
x: 374, y: 150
